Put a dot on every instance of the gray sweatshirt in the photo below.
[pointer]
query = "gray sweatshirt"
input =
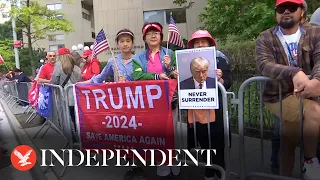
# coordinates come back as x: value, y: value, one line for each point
x: 315, y: 18
x: 58, y: 77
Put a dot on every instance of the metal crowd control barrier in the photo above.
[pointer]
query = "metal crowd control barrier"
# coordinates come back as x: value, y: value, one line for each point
x: 240, y: 103
x: 225, y: 173
x: 58, y: 120
x: 17, y: 94
x: 224, y: 93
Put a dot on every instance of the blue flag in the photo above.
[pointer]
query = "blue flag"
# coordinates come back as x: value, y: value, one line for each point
x: 45, y: 101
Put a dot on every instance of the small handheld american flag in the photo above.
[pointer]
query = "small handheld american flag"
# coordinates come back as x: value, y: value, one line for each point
x: 175, y: 37
x: 100, y: 44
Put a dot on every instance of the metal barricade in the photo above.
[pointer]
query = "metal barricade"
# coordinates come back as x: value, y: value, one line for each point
x: 179, y: 132
x: 240, y: 102
x: 225, y: 173
x: 57, y: 119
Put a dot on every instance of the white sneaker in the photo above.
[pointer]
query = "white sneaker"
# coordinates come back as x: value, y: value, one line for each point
x: 311, y: 169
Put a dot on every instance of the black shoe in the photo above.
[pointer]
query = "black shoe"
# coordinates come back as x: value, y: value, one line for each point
x: 134, y: 173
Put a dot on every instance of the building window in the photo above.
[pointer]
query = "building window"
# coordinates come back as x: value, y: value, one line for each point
x: 59, y: 16
x: 179, y: 15
x: 56, y: 47
x: 85, y: 16
x: 60, y: 37
x: 58, y: 6
x: 53, y: 48
x: 54, y: 7
x: 61, y: 46
x: 155, y: 16
x: 163, y: 16
x: 50, y: 6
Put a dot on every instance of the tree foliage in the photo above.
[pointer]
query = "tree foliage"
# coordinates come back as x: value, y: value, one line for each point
x: 6, y: 51
x: 241, y: 19
x: 185, y: 3
x: 38, y: 22
x: 43, y: 21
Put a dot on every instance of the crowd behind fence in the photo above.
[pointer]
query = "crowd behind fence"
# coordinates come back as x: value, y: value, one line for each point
x: 240, y: 108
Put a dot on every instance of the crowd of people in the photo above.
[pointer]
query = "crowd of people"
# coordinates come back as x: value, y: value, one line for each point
x: 287, y: 52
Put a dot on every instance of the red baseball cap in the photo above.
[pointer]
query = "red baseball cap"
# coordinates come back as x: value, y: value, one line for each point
x: 289, y: 1
x: 151, y: 26
x: 62, y: 51
x: 86, y: 53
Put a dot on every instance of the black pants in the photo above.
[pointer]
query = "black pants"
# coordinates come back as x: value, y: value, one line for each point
x: 73, y: 117
x: 217, y: 143
x: 217, y: 139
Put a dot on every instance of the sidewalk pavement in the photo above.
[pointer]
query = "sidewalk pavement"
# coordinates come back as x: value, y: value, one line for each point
x: 52, y: 140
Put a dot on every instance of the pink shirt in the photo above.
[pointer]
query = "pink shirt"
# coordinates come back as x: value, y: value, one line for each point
x: 154, y: 65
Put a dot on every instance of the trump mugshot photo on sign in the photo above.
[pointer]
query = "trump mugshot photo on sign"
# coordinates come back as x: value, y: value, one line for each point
x: 198, y: 88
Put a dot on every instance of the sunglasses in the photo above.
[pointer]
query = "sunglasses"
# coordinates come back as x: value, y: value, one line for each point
x: 291, y: 8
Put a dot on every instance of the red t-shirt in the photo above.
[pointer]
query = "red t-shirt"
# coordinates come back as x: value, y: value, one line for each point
x: 46, y: 71
x: 90, y: 69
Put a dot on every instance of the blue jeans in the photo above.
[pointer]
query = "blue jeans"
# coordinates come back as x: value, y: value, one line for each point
x: 275, y: 143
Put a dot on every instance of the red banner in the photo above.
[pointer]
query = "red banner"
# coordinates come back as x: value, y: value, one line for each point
x: 33, y: 94
x: 126, y: 115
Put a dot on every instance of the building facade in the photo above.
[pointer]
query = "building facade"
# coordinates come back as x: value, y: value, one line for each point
x: 90, y: 16
x: 80, y: 13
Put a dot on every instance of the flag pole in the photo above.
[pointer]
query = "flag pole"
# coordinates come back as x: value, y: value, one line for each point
x: 168, y: 37
x: 116, y: 71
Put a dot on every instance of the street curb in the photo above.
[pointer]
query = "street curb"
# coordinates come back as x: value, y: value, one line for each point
x: 22, y: 138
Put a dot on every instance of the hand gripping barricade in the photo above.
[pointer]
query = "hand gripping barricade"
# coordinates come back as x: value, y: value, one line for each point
x: 240, y: 102
x: 180, y: 132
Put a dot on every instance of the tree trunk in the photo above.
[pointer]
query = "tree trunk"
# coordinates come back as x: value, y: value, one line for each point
x: 33, y: 70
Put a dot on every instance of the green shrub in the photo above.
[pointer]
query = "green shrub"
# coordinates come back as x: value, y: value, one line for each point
x: 241, y: 55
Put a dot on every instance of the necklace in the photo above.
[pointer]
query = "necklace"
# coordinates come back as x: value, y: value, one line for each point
x: 127, y: 57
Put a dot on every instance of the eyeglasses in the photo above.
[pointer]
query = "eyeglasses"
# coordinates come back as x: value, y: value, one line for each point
x: 152, y: 33
x: 291, y: 8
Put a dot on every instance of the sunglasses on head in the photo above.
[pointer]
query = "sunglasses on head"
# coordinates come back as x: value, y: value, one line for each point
x: 290, y: 7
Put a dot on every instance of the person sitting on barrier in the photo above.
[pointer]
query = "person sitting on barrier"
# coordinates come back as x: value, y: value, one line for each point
x: 156, y: 63
x: 125, y: 40
x: 287, y: 52
x: 65, y: 73
x: 276, y: 130
x: 200, y: 39
x: 91, y: 66
x: 47, y: 69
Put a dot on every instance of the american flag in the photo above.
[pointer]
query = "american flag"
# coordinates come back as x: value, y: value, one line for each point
x: 175, y: 37
x: 100, y: 44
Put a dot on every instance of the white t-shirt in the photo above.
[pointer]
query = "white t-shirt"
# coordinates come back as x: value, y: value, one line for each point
x: 290, y: 44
